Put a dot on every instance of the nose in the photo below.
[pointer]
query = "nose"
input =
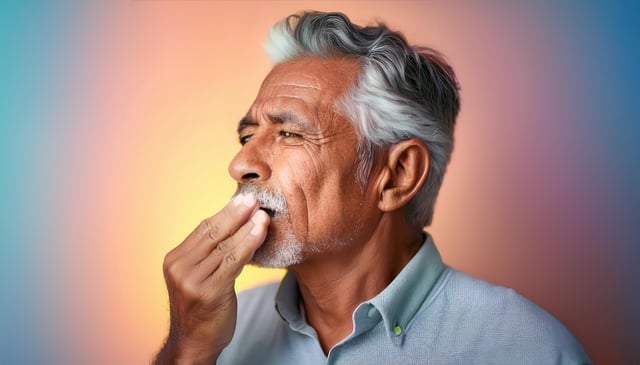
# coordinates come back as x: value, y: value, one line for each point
x: 249, y: 164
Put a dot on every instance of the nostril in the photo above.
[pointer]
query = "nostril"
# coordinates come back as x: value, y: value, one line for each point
x: 250, y: 176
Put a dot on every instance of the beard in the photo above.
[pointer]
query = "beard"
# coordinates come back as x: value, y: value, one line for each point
x: 280, y: 253
x: 281, y: 248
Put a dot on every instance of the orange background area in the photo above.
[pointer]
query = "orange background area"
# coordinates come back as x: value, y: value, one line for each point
x: 152, y: 94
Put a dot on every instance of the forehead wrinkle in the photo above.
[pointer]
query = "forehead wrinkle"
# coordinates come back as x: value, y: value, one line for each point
x: 296, y: 78
x: 314, y: 86
x: 293, y: 90
x: 295, y: 85
x: 279, y: 105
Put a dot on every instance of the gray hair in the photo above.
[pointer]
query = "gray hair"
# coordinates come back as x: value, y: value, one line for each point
x: 402, y: 91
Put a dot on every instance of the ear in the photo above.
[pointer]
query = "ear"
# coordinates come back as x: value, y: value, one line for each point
x: 404, y: 174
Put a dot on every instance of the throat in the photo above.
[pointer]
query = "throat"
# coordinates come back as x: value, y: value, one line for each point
x: 329, y: 305
x: 331, y: 328
x: 332, y: 286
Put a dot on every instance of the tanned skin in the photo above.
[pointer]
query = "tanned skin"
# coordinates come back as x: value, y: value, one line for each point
x: 295, y: 141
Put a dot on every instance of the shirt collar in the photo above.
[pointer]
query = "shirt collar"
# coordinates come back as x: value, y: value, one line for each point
x: 397, y: 303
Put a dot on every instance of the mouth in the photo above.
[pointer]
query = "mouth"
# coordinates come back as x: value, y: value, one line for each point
x: 272, y: 213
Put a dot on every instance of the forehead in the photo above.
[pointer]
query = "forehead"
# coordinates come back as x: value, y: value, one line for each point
x: 315, y: 72
x: 311, y: 81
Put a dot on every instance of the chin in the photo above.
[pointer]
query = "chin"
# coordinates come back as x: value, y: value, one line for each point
x: 279, y: 250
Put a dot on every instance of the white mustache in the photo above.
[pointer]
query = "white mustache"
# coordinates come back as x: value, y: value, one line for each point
x: 270, y: 200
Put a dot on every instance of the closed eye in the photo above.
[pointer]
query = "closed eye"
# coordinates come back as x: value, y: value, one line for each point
x: 245, y: 139
x: 287, y: 134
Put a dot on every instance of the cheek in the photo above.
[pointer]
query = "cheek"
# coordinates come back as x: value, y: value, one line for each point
x: 300, y: 169
x: 312, y: 162
x: 298, y: 178
x: 335, y: 200
x: 321, y: 192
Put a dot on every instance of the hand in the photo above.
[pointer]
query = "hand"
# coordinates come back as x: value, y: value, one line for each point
x: 200, y: 275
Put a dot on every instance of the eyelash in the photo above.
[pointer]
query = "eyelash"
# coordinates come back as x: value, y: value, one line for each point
x: 285, y: 134
x: 245, y: 139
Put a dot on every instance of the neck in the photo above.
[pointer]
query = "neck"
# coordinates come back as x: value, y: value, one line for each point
x: 334, y: 284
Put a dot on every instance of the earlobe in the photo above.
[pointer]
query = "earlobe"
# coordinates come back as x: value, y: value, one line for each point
x: 405, y: 172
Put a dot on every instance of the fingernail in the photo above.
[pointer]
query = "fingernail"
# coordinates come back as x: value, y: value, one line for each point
x: 258, y: 219
x: 249, y: 200
x: 237, y: 199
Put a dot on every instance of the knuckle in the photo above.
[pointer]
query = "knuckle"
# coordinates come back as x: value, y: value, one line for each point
x: 166, y: 263
x: 190, y: 290
x: 203, y: 227
x: 212, y: 230
x: 169, y: 258
x: 224, y: 246
x: 231, y: 258
x: 213, y: 233
x: 171, y: 271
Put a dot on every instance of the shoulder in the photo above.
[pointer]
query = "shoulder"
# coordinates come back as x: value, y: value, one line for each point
x: 502, y: 320
x: 502, y: 306
x: 257, y: 320
x: 262, y: 292
x: 257, y: 303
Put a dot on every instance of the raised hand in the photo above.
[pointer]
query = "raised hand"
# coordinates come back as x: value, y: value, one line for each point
x: 200, y: 275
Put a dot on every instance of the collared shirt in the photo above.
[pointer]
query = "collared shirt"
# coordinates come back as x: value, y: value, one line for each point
x: 429, y: 314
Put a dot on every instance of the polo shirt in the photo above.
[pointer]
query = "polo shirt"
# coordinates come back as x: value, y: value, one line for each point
x: 429, y: 314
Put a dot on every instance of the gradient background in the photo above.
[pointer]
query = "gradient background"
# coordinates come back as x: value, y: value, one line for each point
x: 117, y: 124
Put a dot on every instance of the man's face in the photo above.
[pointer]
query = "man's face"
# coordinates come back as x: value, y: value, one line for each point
x: 296, y: 146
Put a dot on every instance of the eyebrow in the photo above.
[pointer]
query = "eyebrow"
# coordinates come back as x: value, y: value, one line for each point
x: 287, y: 118
x: 244, y: 123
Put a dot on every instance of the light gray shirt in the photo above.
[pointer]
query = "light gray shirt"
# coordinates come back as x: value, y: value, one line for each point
x: 429, y: 314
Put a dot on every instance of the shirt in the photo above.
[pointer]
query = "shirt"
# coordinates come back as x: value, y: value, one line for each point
x: 429, y: 314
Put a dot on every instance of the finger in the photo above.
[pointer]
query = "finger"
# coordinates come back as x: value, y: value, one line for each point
x: 233, y: 250
x: 219, y: 227
x: 229, y: 264
x: 226, y: 222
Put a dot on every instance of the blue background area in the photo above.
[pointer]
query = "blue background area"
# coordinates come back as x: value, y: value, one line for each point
x: 35, y: 41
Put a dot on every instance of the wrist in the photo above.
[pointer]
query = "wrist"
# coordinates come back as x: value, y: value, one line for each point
x: 180, y: 353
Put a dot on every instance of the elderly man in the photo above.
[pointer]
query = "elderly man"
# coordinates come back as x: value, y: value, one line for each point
x: 343, y: 153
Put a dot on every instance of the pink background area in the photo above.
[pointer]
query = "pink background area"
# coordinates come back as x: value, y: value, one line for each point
x: 148, y: 95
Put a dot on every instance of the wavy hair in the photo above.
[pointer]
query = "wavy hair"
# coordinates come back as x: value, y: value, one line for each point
x: 402, y: 91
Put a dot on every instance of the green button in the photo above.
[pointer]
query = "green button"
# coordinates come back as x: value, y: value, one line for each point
x: 397, y: 330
